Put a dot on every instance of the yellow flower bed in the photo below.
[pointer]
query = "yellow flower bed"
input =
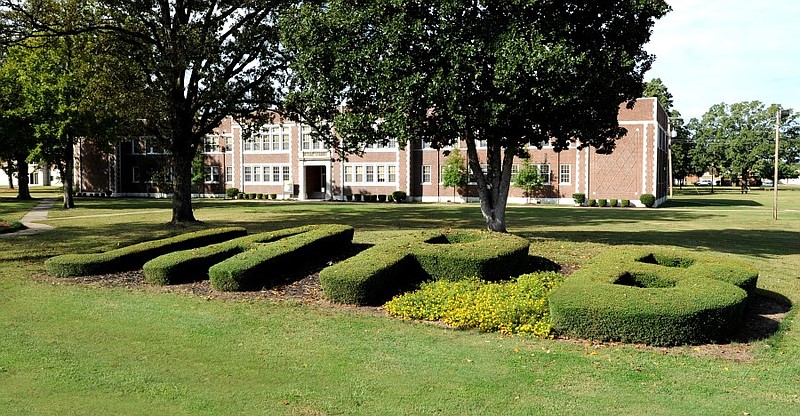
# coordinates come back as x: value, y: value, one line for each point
x: 514, y: 307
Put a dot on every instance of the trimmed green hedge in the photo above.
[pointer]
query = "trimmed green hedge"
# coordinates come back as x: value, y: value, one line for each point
x: 192, y: 265
x: 266, y: 263
x: 654, y: 296
x: 10, y: 226
x: 378, y: 273
x: 134, y: 256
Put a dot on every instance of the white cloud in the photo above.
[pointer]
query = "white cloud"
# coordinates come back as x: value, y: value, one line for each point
x: 708, y: 52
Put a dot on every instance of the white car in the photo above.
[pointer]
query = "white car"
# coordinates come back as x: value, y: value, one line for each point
x: 703, y: 182
x: 766, y: 182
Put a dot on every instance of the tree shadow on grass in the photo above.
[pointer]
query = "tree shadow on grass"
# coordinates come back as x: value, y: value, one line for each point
x: 761, y: 243
x: 763, y: 315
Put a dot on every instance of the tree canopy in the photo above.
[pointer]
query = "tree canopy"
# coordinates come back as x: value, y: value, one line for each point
x: 504, y: 73
x: 197, y: 62
x: 739, y: 139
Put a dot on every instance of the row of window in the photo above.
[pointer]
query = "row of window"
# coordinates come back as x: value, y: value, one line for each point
x: 271, y: 174
x: 370, y: 173
x: 564, y: 173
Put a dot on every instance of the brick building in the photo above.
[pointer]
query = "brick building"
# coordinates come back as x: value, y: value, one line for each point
x: 283, y: 158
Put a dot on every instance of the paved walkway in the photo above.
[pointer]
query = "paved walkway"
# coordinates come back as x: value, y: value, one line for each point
x: 30, y: 220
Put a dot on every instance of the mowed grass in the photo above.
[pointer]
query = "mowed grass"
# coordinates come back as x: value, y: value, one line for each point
x: 71, y: 349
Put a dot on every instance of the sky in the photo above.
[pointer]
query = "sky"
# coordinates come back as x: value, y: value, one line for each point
x: 711, y: 51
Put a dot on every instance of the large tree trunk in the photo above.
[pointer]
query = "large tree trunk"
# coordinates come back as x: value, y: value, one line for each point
x: 23, y: 190
x: 182, y: 194
x: 9, y: 170
x: 494, y: 185
x: 66, y: 171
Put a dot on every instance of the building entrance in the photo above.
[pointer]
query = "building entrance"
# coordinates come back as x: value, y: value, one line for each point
x: 315, y: 180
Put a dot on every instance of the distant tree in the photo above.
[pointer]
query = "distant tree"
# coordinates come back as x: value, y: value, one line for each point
x: 656, y: 88
x: 454, y: 171
x: 740, y: 138
x: 17, y: 139
x: 505, y: 74
x: 683, y: 163
x: 529, y: 179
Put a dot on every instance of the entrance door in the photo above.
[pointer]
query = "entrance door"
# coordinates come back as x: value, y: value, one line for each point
x: 316, y: 179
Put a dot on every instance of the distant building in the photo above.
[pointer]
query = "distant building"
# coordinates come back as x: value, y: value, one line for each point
x: 38, y: 175
x: 284, y: 159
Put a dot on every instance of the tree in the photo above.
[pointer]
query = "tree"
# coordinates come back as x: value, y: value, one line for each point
x: 454, y: 172
x: 739, y: 138
x: 508, y: 74
x: 66, y: 87
x: 529, y: 179
x: 199, y: 62
x: 681, y: 144
x: 16, y: 126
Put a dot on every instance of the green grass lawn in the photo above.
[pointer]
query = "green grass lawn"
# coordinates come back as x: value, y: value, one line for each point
x: 72, y: 349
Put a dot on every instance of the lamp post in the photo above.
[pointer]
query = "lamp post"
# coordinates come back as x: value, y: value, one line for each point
x: 779, y: 114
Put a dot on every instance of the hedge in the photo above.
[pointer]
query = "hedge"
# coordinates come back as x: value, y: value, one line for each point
x: 378, y: 273
x: 192, y: 265
x: 265, y: 264
x: 134, y: 256
x: 654, y: 296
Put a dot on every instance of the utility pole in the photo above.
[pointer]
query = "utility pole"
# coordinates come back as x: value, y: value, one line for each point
x: 779, y: 114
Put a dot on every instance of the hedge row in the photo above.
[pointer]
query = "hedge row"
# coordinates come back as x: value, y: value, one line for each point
x: 378, y: 273
x: 134, y: 256
x: 266, y: 263
x: 653, y: 296
x: 192, y: 265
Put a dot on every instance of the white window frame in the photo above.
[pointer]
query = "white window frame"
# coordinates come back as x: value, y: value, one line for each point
x: 427, y: 171
x: 568, y: 173
x: 211, y: 174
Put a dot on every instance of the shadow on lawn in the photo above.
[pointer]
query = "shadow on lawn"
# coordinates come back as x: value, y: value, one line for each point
x: 734, y: 241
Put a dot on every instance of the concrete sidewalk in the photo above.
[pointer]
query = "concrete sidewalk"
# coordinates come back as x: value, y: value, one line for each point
x: 30, y: 220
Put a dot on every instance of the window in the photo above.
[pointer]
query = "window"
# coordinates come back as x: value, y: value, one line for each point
x: 370, y: 173
x: 472, y: 178
x: 212, y: 174
x: 211, y: 144
x: 308, y: 141
x: 544, y: 171
x: 267, y: 173
x: 228, y: 143
x: 480, y: 143
x: 514, y: 172
x: 137, y: 175
x: 273, y: 138
x: 247, y: 144
x: 139, y: 146
x: 565, y: 174
x: 426, y: 173
x: 229, y: 174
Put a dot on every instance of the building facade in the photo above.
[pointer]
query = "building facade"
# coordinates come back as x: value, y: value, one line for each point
x: 38, y: 175
x: 283, y: 158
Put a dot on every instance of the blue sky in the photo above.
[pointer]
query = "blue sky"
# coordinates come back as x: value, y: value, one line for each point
x: 712, y: 51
